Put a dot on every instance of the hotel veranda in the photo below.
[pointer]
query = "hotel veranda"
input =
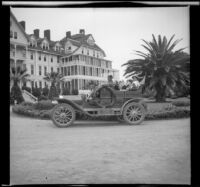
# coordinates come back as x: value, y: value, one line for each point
x: 77, y: 57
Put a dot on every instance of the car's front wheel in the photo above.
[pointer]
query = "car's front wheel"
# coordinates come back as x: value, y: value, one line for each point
x: 63, y: 115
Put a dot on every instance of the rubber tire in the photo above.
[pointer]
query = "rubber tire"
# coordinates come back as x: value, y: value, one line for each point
x: 138, y: 105
x: 69, y: 108
x: 113, y: 97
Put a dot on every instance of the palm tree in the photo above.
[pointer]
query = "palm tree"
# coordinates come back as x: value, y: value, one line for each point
x: 17, y: 75
x: 163, y: 69
x: 54, y: 78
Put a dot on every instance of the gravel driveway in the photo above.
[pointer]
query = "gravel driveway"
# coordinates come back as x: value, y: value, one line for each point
x: 100, y: 152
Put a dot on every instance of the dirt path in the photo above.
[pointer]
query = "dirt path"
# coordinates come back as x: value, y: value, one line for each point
x: 104, y: 152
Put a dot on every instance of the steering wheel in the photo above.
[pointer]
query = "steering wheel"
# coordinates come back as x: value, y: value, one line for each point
x: 98, y: 100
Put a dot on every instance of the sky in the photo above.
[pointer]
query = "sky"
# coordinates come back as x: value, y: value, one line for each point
x: 118, y: 31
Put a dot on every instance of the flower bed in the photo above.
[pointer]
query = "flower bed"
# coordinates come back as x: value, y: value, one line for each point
x: 42, y: 110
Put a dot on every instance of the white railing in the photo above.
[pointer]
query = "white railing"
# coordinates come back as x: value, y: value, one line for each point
x: 30, y: 95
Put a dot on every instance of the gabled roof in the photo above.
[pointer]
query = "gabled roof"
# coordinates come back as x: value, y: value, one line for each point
x: 81, y: 40
x: 19, y: 25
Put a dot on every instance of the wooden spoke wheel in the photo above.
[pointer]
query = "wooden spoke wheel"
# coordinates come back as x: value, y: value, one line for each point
x: 134, y: 113
x: 63, y: 115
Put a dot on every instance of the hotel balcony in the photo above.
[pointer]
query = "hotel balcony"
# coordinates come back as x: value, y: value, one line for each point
x: 18, y: 52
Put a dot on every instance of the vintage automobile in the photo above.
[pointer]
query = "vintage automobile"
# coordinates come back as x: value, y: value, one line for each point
x: 128, y: 106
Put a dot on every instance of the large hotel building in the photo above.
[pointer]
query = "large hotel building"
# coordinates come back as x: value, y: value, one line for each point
x: 77, y: 57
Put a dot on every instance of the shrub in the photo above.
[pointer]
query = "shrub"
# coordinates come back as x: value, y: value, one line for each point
x: 42, y: 97
x: 26, y: 103
x: 44, y: 105
x: 43, y: 110
x: 28, y: 89
x: 45, y: 91
x: 169, y: 107
x: 36, y: 92
x: 181, y: 103
x: 65, y: 91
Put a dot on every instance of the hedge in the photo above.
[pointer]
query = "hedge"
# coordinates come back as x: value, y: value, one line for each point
x: 181, y: 103
x: 43, y: 110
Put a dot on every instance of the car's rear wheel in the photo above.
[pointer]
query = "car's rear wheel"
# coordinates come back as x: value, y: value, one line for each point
x: 134, y: 113
x: 63, y: 115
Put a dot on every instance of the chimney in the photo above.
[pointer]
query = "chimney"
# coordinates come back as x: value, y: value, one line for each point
x: 37, y: 33
x: 68, y: 34
x: 82, y: 31
x: 47, y: 34
x: 23, y: 24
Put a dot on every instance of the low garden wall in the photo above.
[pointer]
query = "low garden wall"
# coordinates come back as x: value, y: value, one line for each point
x: 171, y: 110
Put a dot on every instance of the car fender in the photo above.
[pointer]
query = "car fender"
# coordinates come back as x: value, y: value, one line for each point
x: 136, y: 100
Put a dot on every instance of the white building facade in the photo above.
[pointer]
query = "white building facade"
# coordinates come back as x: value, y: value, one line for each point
x: 77, y: 57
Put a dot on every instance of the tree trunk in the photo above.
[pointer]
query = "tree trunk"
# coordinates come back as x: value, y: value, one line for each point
x: 160, y: 94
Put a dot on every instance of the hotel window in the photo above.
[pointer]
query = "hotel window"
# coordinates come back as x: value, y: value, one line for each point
x: 11, y: 34
x: 32, y: 69
x: 40, y: 84
x: 45, y: 58
x: 45, y: 70
x: 15, y: 35
x: 32, y: 84
x: 84, y: 70
x: 36, y: 84
x: 68, y: 71
x: 57, y: 59
x: 31, y: 56
x: 76, y: 71
x: 87, y: 52
x: 93, y: 53
x: 24, y: 66
x: 65, y: 71
x: 40, y: 70
x: 82, y: 51
x: 51, y: 69
x: 39, y: 57
x: 62, y: 70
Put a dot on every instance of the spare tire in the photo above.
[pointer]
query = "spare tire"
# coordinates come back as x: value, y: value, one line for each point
x: 97, y: 100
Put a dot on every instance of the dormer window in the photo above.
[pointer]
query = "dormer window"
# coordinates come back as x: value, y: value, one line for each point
x: 32, y: 44
x: 69, y: 48
x: 57, y: 48
x: 15, y: 35
x: 11, y: 34
x: 45, y: 46
x: 90, y: 40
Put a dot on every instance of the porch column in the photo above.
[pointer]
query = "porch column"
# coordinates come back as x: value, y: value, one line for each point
x: 26, y: 52
x: 15, y: 62
x: 78, y: 84
x: 36, y: 58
